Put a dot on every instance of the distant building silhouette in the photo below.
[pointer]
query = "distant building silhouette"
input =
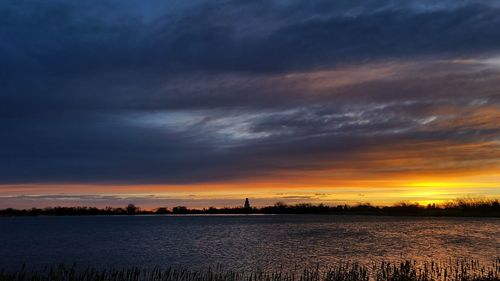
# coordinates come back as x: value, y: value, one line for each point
x: 247, y: 204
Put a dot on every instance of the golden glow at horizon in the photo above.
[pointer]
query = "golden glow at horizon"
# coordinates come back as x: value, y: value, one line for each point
x: 377, y: 191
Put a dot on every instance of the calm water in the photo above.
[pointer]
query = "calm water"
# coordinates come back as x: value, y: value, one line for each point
x: 242, y: 242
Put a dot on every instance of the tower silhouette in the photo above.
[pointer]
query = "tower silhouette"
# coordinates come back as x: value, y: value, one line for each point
x: 247, y: 204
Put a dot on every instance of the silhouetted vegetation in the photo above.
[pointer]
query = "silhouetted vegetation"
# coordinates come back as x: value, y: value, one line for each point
x: 407, y: 271
x: 459, y: 207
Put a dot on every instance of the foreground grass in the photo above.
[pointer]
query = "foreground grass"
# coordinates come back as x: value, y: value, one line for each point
x: 460, y: 270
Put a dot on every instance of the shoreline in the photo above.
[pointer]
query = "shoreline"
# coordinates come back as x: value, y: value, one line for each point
x: 456, y: 208
x: 262, y: 215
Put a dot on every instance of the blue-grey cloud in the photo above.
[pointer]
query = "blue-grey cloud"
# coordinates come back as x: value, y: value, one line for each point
x: 127, y: 92
x: 64, y: 38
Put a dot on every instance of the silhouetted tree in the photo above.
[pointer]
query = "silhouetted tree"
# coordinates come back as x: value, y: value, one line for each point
x: 180, y: 210
x: 131, y: 209
x: 162, y: 211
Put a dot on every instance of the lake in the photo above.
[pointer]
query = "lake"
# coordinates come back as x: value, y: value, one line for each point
x: 242, y: 242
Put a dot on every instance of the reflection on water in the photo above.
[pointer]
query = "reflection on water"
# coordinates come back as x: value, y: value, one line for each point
x: 243, y: 242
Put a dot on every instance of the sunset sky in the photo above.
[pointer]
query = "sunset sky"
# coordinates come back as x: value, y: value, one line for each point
x: 203, y: 103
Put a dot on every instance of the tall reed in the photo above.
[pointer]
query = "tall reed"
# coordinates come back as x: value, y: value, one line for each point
x: 459, y: 270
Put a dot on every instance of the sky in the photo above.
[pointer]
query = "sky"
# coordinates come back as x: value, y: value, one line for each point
x: 204, y: 103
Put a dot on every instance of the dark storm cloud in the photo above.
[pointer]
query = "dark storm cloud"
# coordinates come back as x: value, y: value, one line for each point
x: 181, y: 92
x: 64, y: 38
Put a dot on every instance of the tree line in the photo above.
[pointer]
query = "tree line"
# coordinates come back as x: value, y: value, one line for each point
x: 459, y: 207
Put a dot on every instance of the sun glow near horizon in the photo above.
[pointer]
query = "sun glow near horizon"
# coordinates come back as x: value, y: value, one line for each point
x: 376, y: 192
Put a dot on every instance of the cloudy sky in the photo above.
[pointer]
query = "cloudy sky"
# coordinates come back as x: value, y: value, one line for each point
x: 203, y: 103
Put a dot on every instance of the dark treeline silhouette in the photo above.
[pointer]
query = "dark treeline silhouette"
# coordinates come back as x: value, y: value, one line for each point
x: 459, y: 207
x: 131, y: 209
